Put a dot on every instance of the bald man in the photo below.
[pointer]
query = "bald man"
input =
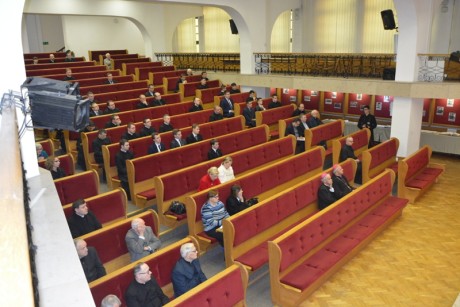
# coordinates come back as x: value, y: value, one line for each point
x: 140, y: 240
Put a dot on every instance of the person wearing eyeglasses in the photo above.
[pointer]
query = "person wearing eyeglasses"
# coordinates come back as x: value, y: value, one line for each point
x: 187, y: 272
x: 52, y: 164
x: 140, y: 240
x: 212, y: 214
x: 144, y: 289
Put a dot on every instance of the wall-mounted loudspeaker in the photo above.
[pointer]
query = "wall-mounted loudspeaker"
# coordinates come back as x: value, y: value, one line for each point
x: 233, y: 27
x: 388, y: 20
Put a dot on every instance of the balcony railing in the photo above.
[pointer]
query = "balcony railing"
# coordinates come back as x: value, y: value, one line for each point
x: 432, y: 67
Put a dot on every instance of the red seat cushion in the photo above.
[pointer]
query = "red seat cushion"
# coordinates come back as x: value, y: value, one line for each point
x: 432, y: 171
x: 204, y: 235
x: 149, y: 194
x: 256, y: 257
x: 179, y: 217
x: 418, y: 184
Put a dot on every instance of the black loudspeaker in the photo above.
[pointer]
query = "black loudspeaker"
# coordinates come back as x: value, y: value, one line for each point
x: 233, y: 27
x: 389, y: 74
x: 388, y: 20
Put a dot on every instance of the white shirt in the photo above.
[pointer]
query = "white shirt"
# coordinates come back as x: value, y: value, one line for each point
x: 225, y: 174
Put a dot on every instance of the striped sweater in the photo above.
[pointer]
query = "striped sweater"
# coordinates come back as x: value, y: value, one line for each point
x: 212, y: 216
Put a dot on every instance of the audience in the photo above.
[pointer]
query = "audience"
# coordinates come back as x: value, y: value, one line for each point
x: 227, y: 105
x: 204, y: 75
x: 69, y: 56
x: 293, y: 129
x: 182, y: 79
x: 52, y: 164
x: 147, y: 130
x: 144, y: 289
x: 203, y: 84
x: 326, y: 192
x: 195, y: 136
x: 68, y: 76
x: 189, y: 72
x: 210, y: 179
x: 346, y: 152
x: 150, y: 91
x: 143, y: 103
x: 94, y: 110
x: 130, y: 133
x: 187, y: 272
x: 235, y: 89
x: 157, y: 146
x: 197, y: 105
x: 223, y: 89
x: 110, y: 79
x: 235, y: 202
x: 249, y: 114
x: 158, y: 101
x: 111, y: 301
x: 216, y: 115
x: 111, y: 108
x: 80, y: 156
x: 339, y: 182
x: 212, y: 214
x: 314, y: 120
x: 226, y: 170
x: 300, y: 110
x: 252, y: 96
x: 274, y: 103
x: 120, y: 161
x: 214, y: 152
x: 52, y: 58
x: 108, y: 61
x: 303, y: 124
x: 41, y: 153
x: 115, y: 121
x: 260, y: 105
x: 101, y: 139
x: 140, y: 240
x: 82, y: 221
x: 177, y: 140
x: 166, y: 125
x: 89, y: 259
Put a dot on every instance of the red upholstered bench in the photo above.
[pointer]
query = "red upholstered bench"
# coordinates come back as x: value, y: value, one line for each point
x: 261, y: 183
x: 170, y: 82
x: 141, y: 171
x: 93, y: 55
x: 181, y: 183
x: 360, y: 143
x: 207, y: 95
x: 417, y: 174
x: 109, y: 241
x: 81, y: 185
x: 378, y: 158
x: 326, y: 132
x: 127, y: 94
x: 142, y: 73
x: 130, y: 68
x: 161, y: 264
x: 271, y: 117
x: 83, y: 75
x: 226, y: 288
x: 187, y: 90
x: 308, y: 254
x: 284, y: 123
x: 62, y: 65
x: 43, y: 55
x: 247, y: 232
x: 51, y: 71
x: 109, y: 207
x: 157, y: 78
x: 119, y: 86
x: 101, y: 80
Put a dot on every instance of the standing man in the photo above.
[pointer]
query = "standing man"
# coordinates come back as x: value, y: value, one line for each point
x: 157, y: 146
x: 108, y: 61
x: 120, y: 160
x: 187, y: 272
x: 89, y: 259
x: 140, y: 240
x: 367, y: 120
x: 101, y: 139
x: 144, y: 290
x: 177, y: 140
x: 82, y: 221
x: 195, y: 136
x: 227, y: 105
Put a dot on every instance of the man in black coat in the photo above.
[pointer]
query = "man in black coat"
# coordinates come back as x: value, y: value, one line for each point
x: 89, y: 259
x: 293, y: 129
x: 249, y: 114
x: 177, y: 140
x: 346, y: 152
x: 340, y: 182
x: 367, y: 120
x: 195, y: 136
x: 82, y: 221
x: 158, y: 101
x: 144, y: 289
x: 147, y: 130
x: 326, y: 192
x: 120, y: 160
x: 157, y: 146
x: 214, y: 152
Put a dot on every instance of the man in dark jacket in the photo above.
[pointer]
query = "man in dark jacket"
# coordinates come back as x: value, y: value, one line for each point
x: 187, y: 272
x: 82, y: 221
x: 89, y: 259
x: 144, y: 290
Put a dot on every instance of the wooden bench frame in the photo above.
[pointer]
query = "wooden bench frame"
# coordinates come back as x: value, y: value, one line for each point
x: 287, y: 295
x: 94, y: 181
x: 412, y: 193
x: 361, y: 143
x: 390, y: 160
x: 274, y: 129
x: 309, y: 135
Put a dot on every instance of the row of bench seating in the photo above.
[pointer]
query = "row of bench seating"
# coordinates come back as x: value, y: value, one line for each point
x: 83, y: 76
x: 142, y: 73
x: 56, y: 60
x: 127, y: 94
x: 107, y: 88
x: 79, y: 69
x: 131, y: 104
x: 63, y: 65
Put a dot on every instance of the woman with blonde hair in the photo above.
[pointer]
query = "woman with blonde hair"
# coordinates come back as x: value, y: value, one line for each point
x: 52, y: 164
x: 226, y: 170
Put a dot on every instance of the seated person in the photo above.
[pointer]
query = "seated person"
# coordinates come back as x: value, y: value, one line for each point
x: 203, y: 85
x: 111, y: 300
x: 158, y: 101
x: 340, y: 182
x: 82, y: 221
x: 144, y: 289
x: 166, y: 125
x: 195, y: 136
x: 68, y: 76
x: 35, y: 60
x: 69, y: 56
x: 123, y: 155
x: 182, y: 79
x: 52, y: 164
x: 187, y: 273
x: 80, y: 156
x: 41, y: 153
x: 314, y: 120
x: 210, y: 179
x: 226, y: 170
x: 108, y: 61
x: 274, y: 103
x: 303, y: 124
x: 143, y: 103
x: 326, y: 192
x: 212, y: 214
x: 111, y: 108
x: 252, y: 96
x: 216, y: 115
x: 346, y: 152
x: 157, y: 146
x: 197, y: 105
x: 293, y: 129
x: 52, y: 58
x: 235, y: 202
x: 227, y: 105
x: 89, y: 259
x: 100, y: 140
x: 223, y: 89
x: 140, y: 240
x: 94, y: 111
x: 204, y: 75
x: 300, y: 110
x: 150, y: 91
x: 110, y: 79
x: 177, y: 140
x: 91, y: 98
x: 130, y: 133
x: 235, y: 89
x: 147, y: 130
x: 214, y: 152
x: 260, y: 105
x: 189, y: 72
x: 249, y: 114
x: 115, y: 121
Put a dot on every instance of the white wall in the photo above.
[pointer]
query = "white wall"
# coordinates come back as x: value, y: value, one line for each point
x: 51, y: 26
